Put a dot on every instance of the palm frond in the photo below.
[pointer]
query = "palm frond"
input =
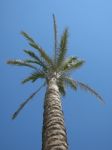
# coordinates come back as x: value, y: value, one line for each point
x: 34, y: 76
x: 27, y: 37
x: 67, y: 62
x: 55, y: 38
x: 91, y: 90
x: 70, y: 82
x: 37, y: 47
x: 31, y: 61
x: 42, y: 53
x: 20, y: 63
x: 31, y: 54
x: 35, y: 57
x: 63, y: 47
x: 74, y: 65
x: 26, y: 101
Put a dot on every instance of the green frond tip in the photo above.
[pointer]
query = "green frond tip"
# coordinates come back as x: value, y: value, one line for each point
x: 31, y: 61
x: 20, y: 63
x: 89, y: 89
x: 31, y: 54
x: 27, y: 37
x: 34, y: 76
x: 35, y: 57
x: 74, y: 65
x: 23, y: 104
x: 26, y: 101
x: 67, y: 62
x: 36, y: 46
x: 70, y: 82
x: 63, y: 47
x: 42, y: 53
x: 55, y: 38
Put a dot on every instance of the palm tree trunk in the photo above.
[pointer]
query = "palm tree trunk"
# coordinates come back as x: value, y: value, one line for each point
x: 54, y: 135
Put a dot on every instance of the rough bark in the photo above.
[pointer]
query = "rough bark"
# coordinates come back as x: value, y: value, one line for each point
x: 54, y: 135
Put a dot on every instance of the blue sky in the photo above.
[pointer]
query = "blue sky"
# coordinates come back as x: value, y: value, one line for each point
x: 88, y: 123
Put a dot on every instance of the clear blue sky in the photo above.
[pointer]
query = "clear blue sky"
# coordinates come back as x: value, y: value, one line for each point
x: 88, y: 123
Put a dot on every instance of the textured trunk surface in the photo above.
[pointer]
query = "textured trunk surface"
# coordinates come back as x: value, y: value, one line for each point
x: 54, y: 133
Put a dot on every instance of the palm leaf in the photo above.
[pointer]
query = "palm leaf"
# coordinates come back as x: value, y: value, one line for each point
x: 31, y: 61
x: 55, y: 38
x: 27, y: 37
x: 20, y: 63
x: 67, y: 63
x: 35, y: 57
x: 42, y: 53
x: 26, y: 101
x: 63, y: 47
x: 32, y: 54
x: 36, y: 46
x: 74, y: 65
x: 70, y: 82
x: 34, y: 76
x: 89, y: 89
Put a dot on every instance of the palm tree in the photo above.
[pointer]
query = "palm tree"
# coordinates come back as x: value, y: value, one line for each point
x: 56, y: 73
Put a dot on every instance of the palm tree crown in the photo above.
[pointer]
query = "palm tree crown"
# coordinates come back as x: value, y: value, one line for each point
x: 46, y: 67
